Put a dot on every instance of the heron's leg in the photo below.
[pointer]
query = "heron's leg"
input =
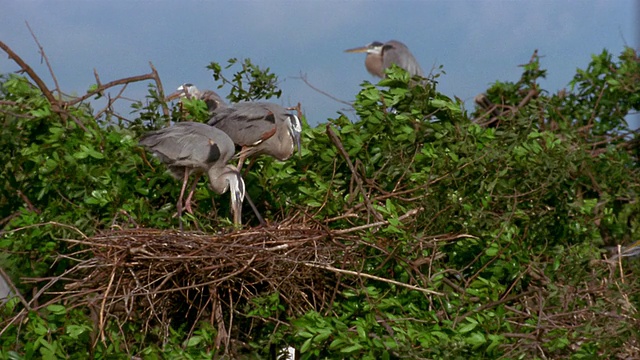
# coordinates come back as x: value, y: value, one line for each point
x: 241, y: 162
x: 179, y: 204
x: 187, y: 203
x: 241, y: 157
x: 255, y: 210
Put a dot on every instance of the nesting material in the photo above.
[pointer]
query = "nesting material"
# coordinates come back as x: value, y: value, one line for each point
x: 167, y: 276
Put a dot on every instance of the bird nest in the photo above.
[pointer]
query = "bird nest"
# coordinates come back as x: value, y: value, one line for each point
x: 166, y: 277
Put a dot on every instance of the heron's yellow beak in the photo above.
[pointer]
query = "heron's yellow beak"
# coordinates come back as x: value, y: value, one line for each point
x: 358, y: 49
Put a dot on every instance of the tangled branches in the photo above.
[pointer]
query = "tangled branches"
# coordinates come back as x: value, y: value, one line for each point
x: 165, y: 276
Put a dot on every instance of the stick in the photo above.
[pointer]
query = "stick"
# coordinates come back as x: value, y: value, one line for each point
x: 336, y: 141
x: 355, y: 273
x: 46, y: 59
x: 56, y: 106
x: 379, y: 223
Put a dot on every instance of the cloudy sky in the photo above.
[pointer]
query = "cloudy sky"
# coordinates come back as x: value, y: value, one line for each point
x: 477, y: 41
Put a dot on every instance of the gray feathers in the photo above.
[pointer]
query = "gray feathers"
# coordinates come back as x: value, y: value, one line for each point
x: 189, y: 145
x: 395, y: 52
x: 260, y: 128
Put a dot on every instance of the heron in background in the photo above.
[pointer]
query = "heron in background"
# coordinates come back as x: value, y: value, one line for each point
x: 381, y: 56
x: 190, y: 91
x: 189, y: 147
x: 260, y: 128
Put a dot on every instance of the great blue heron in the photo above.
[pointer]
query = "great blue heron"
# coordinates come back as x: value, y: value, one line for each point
x: 190, y: 147
x: 380, y: 56
x: 190, y: 91
x: 260, y: 128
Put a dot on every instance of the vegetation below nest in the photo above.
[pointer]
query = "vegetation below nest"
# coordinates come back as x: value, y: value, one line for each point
x: 413, y: 230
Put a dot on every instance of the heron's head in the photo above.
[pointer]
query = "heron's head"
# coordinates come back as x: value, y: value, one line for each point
x: 187, y: 90
x: 226, y: 178
x: 374, y: 48
x: 295, y: 129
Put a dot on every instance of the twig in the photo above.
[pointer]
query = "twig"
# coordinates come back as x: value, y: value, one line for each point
x: 303, y: 77
x: 28, y: 202
x: 492, y: 304
x: 50, y: 223
x: 360, y: 274
x: 336, y: 141
x: 55, y: 104
x: 46, y: 59
x: 104, y: 301
x: 379, y: 223
x: 101, y: 88
x: 156, y: 77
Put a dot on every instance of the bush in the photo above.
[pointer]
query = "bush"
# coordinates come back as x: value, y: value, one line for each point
x: 473, y: 235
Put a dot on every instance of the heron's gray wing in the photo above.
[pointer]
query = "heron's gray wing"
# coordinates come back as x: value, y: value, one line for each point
x: 397, y: 53
x: 189, y: 144
x: 248, y: 123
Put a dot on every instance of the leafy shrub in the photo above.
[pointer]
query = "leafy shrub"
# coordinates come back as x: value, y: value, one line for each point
x: 477, y: 241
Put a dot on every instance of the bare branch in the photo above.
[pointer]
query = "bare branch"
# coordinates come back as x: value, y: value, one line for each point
x: 364, y: 275
x: 303, y: 77
x: 334, y: 138
x: 156, y: 77
x: 46, y: 59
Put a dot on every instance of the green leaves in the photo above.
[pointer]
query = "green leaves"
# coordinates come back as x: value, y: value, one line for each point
x: 87, y: 151
x: 249, y: 83
x: 503, y: 222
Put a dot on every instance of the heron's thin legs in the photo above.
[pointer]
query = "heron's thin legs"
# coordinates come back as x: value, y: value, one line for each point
x: 255, y: 210
x: 179, y: 205
x: 187, y: 203
x: 241, y: 160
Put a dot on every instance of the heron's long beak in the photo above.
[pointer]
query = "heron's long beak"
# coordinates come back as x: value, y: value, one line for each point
x: 176, y: 94
x: 358, y: 49
x: 236, y: 207
x: 237, y: 192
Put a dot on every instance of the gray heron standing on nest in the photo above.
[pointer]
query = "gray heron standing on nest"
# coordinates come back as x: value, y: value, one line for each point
x: 189, y: 147
x: 380, y: 56
x: 260, y: 128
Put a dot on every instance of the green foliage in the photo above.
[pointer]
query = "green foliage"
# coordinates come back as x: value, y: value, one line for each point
x: 503, y: 223
x: 56, y: 332
x: 247, y: 84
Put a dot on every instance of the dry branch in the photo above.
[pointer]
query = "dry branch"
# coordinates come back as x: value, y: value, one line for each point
x: 55, y: 104
x: 336, y: 141
x: 60, y: 106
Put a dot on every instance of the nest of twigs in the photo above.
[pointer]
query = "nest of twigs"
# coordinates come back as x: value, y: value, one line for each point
x: 168, y: 276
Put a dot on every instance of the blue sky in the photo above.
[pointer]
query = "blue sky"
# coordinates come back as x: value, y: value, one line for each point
x: 477, y: 42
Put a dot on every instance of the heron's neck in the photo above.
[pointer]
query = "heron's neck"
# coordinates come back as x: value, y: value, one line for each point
x: 285, y: 144
x: 373, y: 63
